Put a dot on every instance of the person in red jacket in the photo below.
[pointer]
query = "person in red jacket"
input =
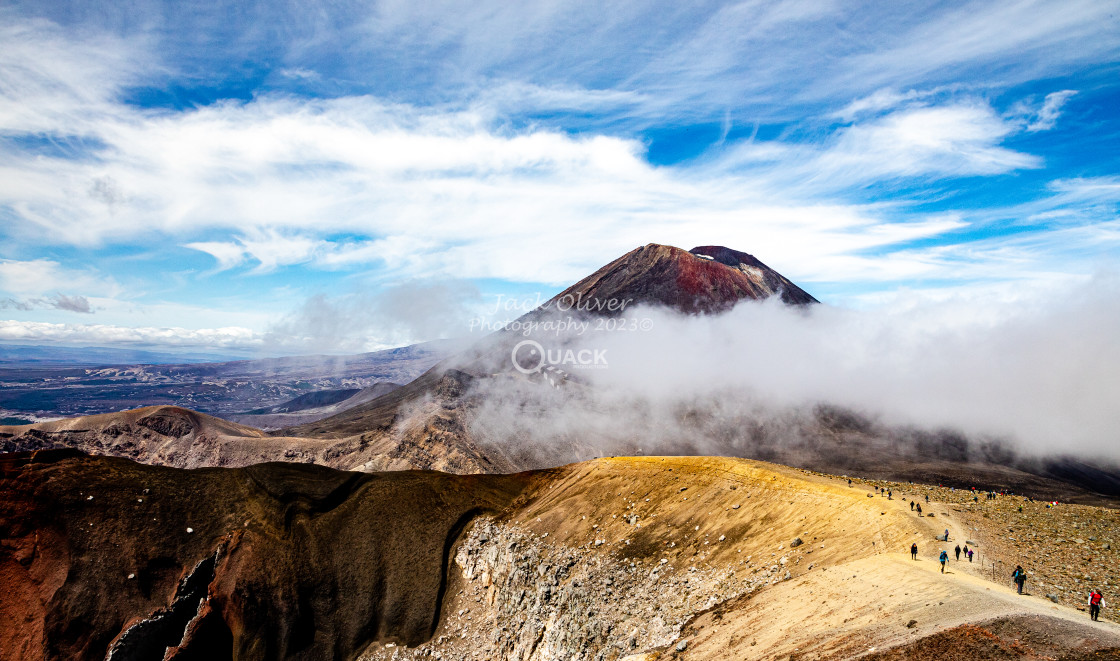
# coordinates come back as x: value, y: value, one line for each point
x: 1096, y: 602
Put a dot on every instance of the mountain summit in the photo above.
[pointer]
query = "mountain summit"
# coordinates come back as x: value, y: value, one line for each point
x: 705, y: 279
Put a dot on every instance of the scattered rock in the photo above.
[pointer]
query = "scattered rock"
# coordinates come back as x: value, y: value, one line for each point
x: 796, y: 542
x: 911, y: 624
x: 682, y: 646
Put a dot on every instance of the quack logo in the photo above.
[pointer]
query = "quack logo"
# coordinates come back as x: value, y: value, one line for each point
x: 530, y: 357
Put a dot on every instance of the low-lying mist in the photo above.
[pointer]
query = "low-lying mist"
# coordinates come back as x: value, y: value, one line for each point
x: 1038, y: 375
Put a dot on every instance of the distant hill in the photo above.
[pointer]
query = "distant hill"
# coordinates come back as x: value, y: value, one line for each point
x: 473, y: 412
x: 311, y: 400
x: 220, y: 388
x: 312, y: 407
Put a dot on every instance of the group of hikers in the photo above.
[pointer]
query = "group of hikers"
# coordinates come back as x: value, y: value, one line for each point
x: 944, y: 557
x: 1019, y: 576
x: 1095, y: 601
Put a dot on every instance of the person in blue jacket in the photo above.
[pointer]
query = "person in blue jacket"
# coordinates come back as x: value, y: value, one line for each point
x: 944, y: 558
x: 1019, y: 576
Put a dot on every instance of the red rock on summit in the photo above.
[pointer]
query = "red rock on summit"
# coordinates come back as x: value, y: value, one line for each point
x: 705, y: 279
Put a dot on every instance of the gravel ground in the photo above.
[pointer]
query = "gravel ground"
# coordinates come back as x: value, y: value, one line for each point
x: 1066, y: 549
x: 1026, y: 638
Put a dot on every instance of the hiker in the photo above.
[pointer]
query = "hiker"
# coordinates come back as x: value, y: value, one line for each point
x: 958, y: 552
x: 913, y: 551
x: 1096, y: 601
x: 911, y: 506
x: 946, y: 534
x: 1019, y: 576
x: 927, y: 499
x: 943, y: 558
x: 919, y: 509
x: 966, y: 549
x: 970, y: 555
x: 849, y: 482
x: 889, y: 495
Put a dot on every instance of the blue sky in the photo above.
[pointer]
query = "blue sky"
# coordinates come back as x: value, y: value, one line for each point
x: 289, y: 177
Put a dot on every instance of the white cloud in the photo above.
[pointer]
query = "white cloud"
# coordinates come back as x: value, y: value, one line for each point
x: 465, y: 185
x: 405, y: 313
x: 884, y: 99
x: 285, y: 176
x: 272, y: 249
x: 98, y: 334
x: 413, y: 190
x: 1037, y: 366
x: 955, y: 140
x: 227, y: 254
x: 44, y: 277
x: 1050, y: 110
x: 1022, y: 40
x: 913, y: 141
x: 50, y: 86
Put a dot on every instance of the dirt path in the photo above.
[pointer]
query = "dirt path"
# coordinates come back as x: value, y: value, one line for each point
x: 876, y: 602
x: 863, y: 606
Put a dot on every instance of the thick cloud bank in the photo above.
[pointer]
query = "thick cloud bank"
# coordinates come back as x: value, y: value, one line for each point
x: 1040, y: 374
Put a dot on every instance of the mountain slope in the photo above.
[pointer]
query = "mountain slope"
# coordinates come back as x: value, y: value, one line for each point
x: 477, y: 413
x: 312, y: 407
x: 674, y: 557
x: 311, y: 400
x: 705, y: 279
x: 223, y: 389
x: 649, y: 275
x: 275, y: 561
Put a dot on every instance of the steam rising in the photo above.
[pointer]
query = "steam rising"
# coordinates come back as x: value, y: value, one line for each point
x: 1040, y: 375
x: 403, y: 314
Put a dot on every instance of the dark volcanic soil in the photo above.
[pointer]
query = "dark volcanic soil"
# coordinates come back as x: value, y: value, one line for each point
x: 266, y: 556
x: 1026, y: 638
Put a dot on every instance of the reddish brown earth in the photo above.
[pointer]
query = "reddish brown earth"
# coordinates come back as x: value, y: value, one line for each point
x: 1023, y: 638
x: 655, y: 274
x: 107, y: 558
x: 278, y: 560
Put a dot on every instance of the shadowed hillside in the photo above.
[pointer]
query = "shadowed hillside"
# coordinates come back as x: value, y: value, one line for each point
x: 659, y: 557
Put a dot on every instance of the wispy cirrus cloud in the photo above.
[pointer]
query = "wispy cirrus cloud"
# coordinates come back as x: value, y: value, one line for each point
x: 286, y: 177
x: 903, y: 140
x: 846, y: 145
